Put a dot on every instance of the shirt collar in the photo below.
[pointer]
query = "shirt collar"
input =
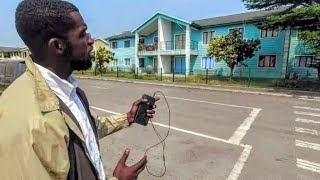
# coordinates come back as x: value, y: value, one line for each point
x: 61, y: 87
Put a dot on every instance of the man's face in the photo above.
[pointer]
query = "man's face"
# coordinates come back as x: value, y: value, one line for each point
x: 79, y: 45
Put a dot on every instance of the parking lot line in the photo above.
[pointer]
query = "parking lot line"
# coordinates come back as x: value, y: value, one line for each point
x: 237, y: 169
x: 307, y: 165
x: 239, y: 134
x: 307, y: 113
x: 308, y: 121
x: 208, y: 102
x: 306, y: 131
x: 306, y: 108
x: 309, y: 145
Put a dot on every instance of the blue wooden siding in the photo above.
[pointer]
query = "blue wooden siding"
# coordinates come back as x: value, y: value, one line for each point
x: 176, y: 30
x: 269, y: 46
x: 148, y: 61
x: 120, y: 42
x: 297, y: 48
x: 149, y: 39
x: 122, y: 53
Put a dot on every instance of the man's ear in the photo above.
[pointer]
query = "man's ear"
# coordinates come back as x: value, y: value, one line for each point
x: 56, y: 46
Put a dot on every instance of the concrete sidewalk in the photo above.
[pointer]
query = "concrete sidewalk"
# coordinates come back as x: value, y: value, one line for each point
x: 256, y: 91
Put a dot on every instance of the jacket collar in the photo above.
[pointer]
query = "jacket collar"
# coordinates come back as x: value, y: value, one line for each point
x: 45, y: 96
x: 62, y: 88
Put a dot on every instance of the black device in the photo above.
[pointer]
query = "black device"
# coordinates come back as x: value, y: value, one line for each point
x: 141, y: 115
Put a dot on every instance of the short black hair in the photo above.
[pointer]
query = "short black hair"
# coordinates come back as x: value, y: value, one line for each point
x: 37, y: 21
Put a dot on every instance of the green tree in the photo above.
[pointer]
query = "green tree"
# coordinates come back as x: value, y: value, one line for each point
x: 103, y: 55
x: 302, y: 15
x: 232, y: 49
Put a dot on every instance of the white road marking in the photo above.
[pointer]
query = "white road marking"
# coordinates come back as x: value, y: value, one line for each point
x: 99, y: 87
x: 315, y: 97
x: 307, y: 131
x: 307, y: 165
x: 111, y: 112
x: 308, y: 99
x: 307, y: 121
x: 193, y: 133
x: 208, y: 102
x: 307, y: 113
x: 306, y: 108
x: 244, y: 127
x: 236, y: 171
x: 309, y: 145
x: 173, y: 128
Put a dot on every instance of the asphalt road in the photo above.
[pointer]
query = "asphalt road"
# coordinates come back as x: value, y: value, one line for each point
x: 214, y: 135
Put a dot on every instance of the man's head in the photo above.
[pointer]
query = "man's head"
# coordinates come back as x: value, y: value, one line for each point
x: 54, y: 29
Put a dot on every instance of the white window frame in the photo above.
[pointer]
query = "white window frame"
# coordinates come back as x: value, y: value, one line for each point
x: 143, y: 40
x: 272, y: 36
x: 295, y: 58
x: 144, y: 63
x: 116, y: 44
x: 185, y: 41
x: 275, y: 64
x: 125, y: 61
x: 154, y: 39
x: 213, y: 62
x: 213, y: 34
x: 124, y: 43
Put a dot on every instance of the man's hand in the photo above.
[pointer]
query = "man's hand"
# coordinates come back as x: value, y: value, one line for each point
x: 134, y: 108
x: 123, y: 172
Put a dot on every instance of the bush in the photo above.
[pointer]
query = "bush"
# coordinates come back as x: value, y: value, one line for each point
x: 149, y: 69
x: 309, y: 85
x: 285, y: 83
x: 133, y: 68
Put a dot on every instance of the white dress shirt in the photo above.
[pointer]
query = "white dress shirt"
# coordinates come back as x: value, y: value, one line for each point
x: 66, y: 91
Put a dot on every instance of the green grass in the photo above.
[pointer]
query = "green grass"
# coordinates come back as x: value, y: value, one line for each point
x: 197, y: 79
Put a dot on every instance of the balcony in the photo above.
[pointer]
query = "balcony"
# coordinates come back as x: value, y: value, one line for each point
x: 147, y: 49
x: 167, y: 48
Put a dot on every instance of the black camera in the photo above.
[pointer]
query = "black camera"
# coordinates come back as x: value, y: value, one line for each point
x: 141, y: 115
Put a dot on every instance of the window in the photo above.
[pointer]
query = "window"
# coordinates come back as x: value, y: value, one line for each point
x: 7, y: 55
x: 303, y: 61
x: 207, y: 36
x: 272, y: 32
x: 155, y: 40
x: 114, y: 45
x: 127, y: 43
x: 127, y: 61
x: 115, y: 62
x: 267, y: 61
x: 240, y: 30
x: 141, y: 41
x: 207, y: 63
x: 141, y: 62
x: 180, y: 41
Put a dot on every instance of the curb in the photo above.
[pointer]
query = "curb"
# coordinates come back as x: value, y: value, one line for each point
x: 286, y: 93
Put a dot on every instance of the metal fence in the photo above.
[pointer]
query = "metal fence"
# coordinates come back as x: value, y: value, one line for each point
x: 202, y: 76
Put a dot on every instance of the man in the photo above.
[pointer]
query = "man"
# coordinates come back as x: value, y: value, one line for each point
x: 47, y: 130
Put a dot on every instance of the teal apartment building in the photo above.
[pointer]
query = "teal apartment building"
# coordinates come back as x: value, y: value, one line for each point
x: 173, y: 45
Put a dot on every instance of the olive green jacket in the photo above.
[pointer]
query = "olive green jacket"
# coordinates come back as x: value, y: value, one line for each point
x: 35, y: 132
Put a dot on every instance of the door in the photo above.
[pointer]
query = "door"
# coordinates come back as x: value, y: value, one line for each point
x: 155, y: 64
x: 180, y: 41
x: 180, y: 65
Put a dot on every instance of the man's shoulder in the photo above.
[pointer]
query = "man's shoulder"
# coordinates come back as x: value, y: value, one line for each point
x: 21, y: 87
